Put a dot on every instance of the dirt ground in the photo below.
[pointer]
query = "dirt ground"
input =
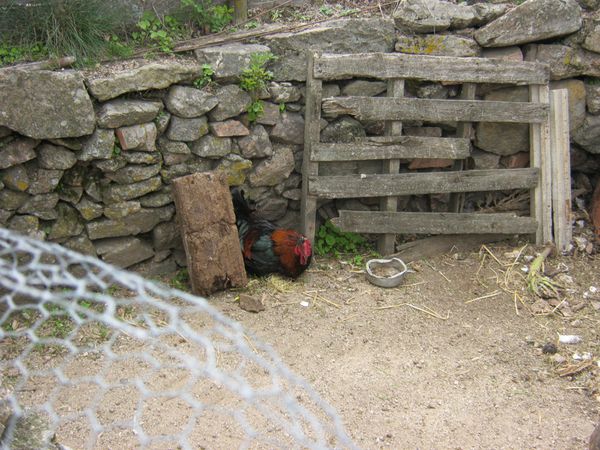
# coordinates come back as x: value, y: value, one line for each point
x: 451, y: 358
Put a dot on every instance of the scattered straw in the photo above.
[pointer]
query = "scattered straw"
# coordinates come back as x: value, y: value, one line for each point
x: 490, y: 295
x: 423, y: 309
x: 572, y: 369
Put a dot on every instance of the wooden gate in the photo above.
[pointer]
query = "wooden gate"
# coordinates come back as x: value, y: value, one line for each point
x: 393, y: 146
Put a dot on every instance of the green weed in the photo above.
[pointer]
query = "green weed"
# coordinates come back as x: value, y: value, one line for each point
x: 330, y: 240
x: 157, y: 34
x: 181, y: 280
x: 206, y: 16
x: 206, y: 78
x: 254, y: 79
x: 255, y: 110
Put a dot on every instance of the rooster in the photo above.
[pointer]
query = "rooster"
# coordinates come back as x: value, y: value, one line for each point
x: 266, y: 248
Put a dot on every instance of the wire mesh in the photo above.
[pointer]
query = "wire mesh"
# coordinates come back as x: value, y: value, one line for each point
x: 96, y: 357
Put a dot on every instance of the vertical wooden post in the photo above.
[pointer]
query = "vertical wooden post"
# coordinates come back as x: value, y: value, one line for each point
x: 463, y: 130
x: 386, y: 242
x: 540, y: 157
x: 561, y: 168
x: 312, y: 135
x: 240, y: 11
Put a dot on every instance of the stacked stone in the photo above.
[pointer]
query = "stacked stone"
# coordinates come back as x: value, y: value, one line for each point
x: 86, y: 159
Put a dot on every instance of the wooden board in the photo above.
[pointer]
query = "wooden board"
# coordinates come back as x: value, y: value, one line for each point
x: 430, y: 68
x: 437, y: 245
x: 210, y: 238
x: 312, y: 134
x: 561, y: 169
x: 433, y: 223
x: 540, y: 157
x: 350, y: 186
x: 384, y: 108
x: 404, y: 147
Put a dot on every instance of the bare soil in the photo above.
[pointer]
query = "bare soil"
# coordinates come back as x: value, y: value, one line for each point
x: 450, y: 359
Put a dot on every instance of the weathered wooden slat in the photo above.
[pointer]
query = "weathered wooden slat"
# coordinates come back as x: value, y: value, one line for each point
x: 541, y: 157
x: 561, y: 169
x: 434, y: 223
x: 312, y: 133
x: 384, y: 108
x: 386, y: 242
x: 463, y: 130
x: 432, y: 68
x: 409, y: 147
x: 349, y: 186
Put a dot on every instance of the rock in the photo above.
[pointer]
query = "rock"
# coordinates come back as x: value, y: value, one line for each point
x: 588, y: 135
x: 270, y: 207
x: 171, y: 159
x: 433, y: 90
x: 5, y: 216
x: 121, y: 113
x: 110, y: 165
x: 141, y: 222
x: 81, y: 244
x: 70, y: 143
x: 212, y: 147
x: 99, y: 145
x: 533, y: 20
x: 517, y: 161
x: 503, y: 53
x: 134, y: 173
x: 42, y: 181
x: 154, y: 75
x: 284, y: 92
x: 88, y: 209
x: 17, y: 152
x: 549, y: 348
x: 44, y: 104
x: 275, y: 169
x: 12, y: 200
x: 423, y: 16
x: 592, y: 38
x: 93, y: 189
x: 55, y: 157
x: 162, y: 121
x: 187, y: 130
x: 364, y: 88
x: 229, y: 60
x: 167, y: 146
x: 235, y: 168
x: 148, y: 158
x: 563, y: 61
x: 115, y: 193
x: 577, y: 103
x: 123, y: 251
x: 16, y: 178
x: 433, y: 163
x: 67, y: 224
x: 289, y: 129
x: 189, y: 102
x: 27, y: 225
x: 592, y: 95
x: 271, y: 114
x: 157, y: 199
x: 122, y: 209
x: 438, y: 45
x: 4, y: 132
x: 504, y: 138
x: 251, y: 304
x: 138, y: 137
x: 344, y: 129
x: 229, y: 128
x: 337, y: 36
x: 232, y: 102
x: 166, y: 236
x: 257, y: 144
x: 41, y: 206
x: 178, y: 170
x: 153, y: 268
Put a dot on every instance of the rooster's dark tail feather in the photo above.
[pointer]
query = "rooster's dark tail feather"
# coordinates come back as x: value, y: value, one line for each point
x: 240, y: 205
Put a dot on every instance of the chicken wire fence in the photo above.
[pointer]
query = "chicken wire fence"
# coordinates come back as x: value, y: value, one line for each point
x: 96, y: 357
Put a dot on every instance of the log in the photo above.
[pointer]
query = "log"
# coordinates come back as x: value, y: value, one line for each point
x: 48, y: 64
x: 210, y: 238
x: 438, y: 245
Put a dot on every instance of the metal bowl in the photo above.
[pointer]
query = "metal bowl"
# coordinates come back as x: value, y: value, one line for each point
x: 395, y: 267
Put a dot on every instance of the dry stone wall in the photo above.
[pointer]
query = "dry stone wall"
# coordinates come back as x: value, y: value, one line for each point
x: 87, y: 157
